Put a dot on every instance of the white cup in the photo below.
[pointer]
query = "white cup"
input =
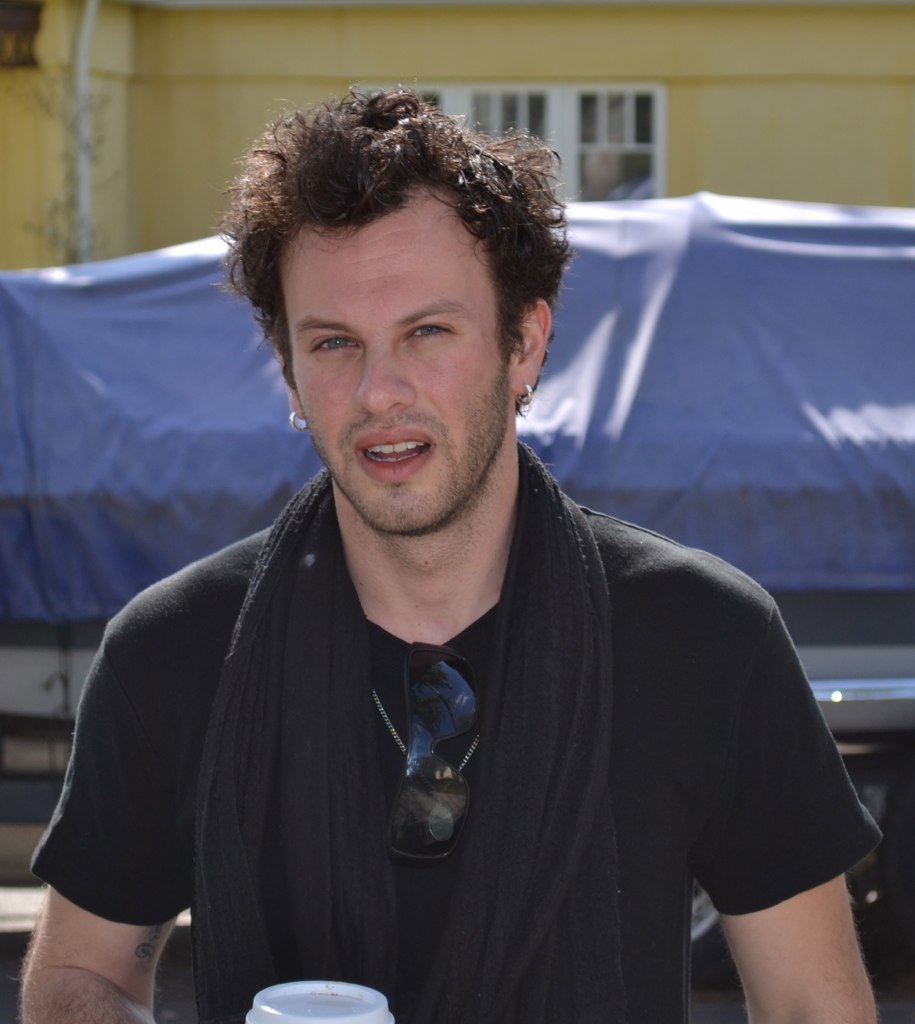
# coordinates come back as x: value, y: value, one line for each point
x: 311, y: 1002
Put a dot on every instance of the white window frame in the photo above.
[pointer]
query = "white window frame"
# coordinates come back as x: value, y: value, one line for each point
x: 562, y: 117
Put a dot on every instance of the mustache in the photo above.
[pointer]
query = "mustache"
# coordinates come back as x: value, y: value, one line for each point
x: 430, y: 425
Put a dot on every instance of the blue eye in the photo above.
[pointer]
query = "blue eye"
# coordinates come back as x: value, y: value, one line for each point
x: 427, y: 330
x: 334, y: 343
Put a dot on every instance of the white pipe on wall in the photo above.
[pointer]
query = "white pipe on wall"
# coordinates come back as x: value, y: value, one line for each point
x: 83, y: 133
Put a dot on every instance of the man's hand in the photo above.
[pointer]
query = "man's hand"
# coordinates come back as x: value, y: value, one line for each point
x: 81, y: 967
x: 800, y: 962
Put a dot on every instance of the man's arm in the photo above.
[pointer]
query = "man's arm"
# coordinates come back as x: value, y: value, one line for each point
x: 800, y: 962
x: 80, y: 967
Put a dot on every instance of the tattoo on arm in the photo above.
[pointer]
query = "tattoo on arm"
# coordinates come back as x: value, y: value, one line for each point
x: 146, y: 951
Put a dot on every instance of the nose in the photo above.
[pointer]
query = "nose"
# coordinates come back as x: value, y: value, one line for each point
x: 385, y: 385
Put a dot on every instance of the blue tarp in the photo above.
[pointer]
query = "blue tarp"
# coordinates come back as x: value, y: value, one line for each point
x: 738, y: 374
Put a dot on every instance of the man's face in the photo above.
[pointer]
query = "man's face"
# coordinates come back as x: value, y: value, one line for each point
x: 397, y: 367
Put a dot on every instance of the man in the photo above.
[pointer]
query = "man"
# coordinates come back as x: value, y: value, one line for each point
x: 628, y: 714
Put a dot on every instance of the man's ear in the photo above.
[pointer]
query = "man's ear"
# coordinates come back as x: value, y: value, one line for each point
x: 527, y: 360
x: 292, y: 395
x: 294, y: 403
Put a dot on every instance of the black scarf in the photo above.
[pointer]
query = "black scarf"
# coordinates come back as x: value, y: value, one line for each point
x: 533, y: 933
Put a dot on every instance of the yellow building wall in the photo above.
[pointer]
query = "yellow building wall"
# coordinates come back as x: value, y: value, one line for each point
x: 37, y: 185
x: 31, y: 171
x: 810, y: 103
x: 32, y: 165
x: 837, y: 142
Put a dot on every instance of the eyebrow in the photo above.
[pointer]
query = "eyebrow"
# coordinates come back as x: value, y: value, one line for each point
x: 318, y: 323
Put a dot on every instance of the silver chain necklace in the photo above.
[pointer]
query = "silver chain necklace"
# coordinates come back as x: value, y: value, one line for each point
x: 399, y: 741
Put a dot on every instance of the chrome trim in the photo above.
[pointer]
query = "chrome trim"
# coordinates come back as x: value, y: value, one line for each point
x: 840, y: 691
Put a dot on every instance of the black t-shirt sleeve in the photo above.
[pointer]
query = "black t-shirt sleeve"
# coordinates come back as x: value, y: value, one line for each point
x: 789, y: 818
x: 120, y: 843
x: 113, y: 846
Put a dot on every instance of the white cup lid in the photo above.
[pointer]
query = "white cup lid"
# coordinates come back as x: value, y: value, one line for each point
x: 311, y: 1002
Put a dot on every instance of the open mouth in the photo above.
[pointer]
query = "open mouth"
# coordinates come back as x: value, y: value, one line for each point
x: 395, y: 452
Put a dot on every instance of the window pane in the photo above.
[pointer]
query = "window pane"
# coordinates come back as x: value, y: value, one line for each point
x: 607, y: 174
x: 599, y: 173
x: 644, y: 118
x: 636, y: 178
x: 587, y: 129
x: 509, y: 111
x: 536, y: 114
x: 616, y: 118
x: 482, y: 111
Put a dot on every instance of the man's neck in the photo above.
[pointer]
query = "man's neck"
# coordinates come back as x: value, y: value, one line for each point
x: 430, y: 588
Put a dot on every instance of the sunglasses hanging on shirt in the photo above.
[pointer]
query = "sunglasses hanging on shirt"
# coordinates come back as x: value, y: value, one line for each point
x: 432, y: 798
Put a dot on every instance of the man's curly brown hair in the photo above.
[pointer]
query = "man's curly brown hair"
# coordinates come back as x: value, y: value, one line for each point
x: 345, y: 164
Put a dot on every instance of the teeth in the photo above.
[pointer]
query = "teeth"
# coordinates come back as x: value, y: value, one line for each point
x: 390, y: 449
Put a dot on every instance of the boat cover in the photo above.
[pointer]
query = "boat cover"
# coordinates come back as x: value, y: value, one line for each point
x: 737, y: 374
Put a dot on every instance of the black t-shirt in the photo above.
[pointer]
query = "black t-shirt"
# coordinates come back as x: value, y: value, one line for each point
x: 721, y: 767
x: 423, y: 888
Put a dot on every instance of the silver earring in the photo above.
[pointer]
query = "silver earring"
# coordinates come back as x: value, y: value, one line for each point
x: 523, y: 402
x: 300, y: 426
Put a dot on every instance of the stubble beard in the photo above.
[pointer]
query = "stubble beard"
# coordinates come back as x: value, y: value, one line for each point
x: 399, y: 515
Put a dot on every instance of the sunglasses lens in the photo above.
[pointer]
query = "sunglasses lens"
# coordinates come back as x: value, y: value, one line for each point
x: 429, y: 810
x: 432, y: 799
x: 442, y: 701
